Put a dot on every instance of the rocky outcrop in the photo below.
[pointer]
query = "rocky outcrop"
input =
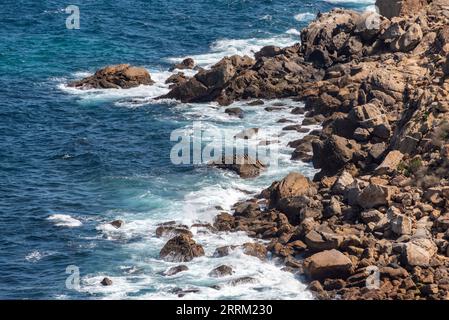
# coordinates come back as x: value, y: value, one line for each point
x: 221, y: 271
x: 181, y: 248
x: 175, y: 270
x: 118, y: 76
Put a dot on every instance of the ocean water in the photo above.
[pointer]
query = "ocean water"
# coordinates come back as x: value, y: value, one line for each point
x: 71, y: 161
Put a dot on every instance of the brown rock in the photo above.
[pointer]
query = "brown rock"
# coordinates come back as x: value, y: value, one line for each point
x: 176, y: 78
x: 117, y: 223
x: 113, y: 77
x: 401, y: 225
x: 320, y: 241
x: 180, y: 249
x: 411, y: 38
x: 419, y: 252
x: 328, y: 264
x: 397, y: 8
x: 374, y: 195
x: 163, y: 231
x: 221, y: 271
x: 244, y: 166
x: 223, y: 251
x: 106, y: 282
x: 175, y: 270
x: 255, y: 249
x: 332, y: 154
x: 390, y: 163
x: 187, y: 63
x: 236, y: 112
x: 224, y: 222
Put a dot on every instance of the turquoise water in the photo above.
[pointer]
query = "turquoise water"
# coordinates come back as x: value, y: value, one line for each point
x: 71, y: 161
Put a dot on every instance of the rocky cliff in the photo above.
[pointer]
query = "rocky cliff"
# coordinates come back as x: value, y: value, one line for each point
x: 374, y: 223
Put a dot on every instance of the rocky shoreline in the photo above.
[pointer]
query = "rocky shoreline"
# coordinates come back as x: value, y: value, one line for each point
x: 378, y: 209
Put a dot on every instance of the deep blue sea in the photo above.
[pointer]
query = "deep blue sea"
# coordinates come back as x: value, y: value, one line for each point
x: 71, y: 161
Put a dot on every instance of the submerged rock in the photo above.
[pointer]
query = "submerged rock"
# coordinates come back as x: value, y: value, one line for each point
x: 237, y: 112
x: 187, y: 63
x: 106, y: 282
x: 242, y: 280
x: 221, y: 271
x: 117, y: 223
x: 175, y: 270
x: 244, y: 166
x: 163, y: 231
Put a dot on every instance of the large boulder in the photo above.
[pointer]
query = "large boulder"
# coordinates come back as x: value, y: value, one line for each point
x: 333, y: 153
x: 397, y: 8
x: 410, y: 39
x: 221, y: 271
x: 188, y: 91
x: 328, y: 264
x: 268, y: 52
x: 257, y: 250
x: 368, y: 115
x: 418, y: 252
x: 114, y: 77
x: 374, y: 195
x: 218, y: 75
x: 390, y: 163
x: 294, y: 185
x: 401, y: 225
x: 329, y: 37
x: 342, y: 183
x: 181, y: 248
x: 319, y: 241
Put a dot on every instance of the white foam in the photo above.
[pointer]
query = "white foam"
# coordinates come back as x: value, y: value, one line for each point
x: 270, y: 281
x: 145, y: 93
x: 36, y: 255
x: 64, y: 220
x: 229, y: 47
x: 305, y: 16
x: 293, y: 31
x: 267, y: 17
